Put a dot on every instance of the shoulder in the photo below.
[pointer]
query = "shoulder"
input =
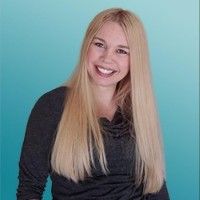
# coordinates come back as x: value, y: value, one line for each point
x: 58, y: 92
x: 54, y: 95
x: 52, y: 100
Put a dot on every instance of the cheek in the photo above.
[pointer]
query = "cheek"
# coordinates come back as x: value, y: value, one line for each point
x: 125, y: 64
x: 92, y: 54
x: 90, y: 59
x: 128, y: 63
x: 89, y: 55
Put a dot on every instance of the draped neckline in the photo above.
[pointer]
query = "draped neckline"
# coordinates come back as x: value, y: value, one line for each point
x: 118, y: 126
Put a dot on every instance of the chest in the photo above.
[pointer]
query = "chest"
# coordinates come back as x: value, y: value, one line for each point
x: 119, y: 154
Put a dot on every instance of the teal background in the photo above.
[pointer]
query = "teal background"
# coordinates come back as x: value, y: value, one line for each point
x: 40, y: 47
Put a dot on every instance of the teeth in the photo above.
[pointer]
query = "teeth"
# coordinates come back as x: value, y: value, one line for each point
x: 104, y: 70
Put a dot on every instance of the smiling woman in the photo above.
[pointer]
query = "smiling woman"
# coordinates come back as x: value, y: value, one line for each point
x: 98, y: 136
x: 108, y: 56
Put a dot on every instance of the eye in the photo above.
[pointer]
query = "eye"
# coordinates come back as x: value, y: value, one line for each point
x: 121, y: 51
x: 98, y: 44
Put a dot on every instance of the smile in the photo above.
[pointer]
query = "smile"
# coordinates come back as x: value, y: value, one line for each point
x: 105, y: 72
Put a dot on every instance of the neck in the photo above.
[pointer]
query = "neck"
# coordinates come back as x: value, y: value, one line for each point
x: 105, y: 104
x: 103, y: 95
x: 104, y: 101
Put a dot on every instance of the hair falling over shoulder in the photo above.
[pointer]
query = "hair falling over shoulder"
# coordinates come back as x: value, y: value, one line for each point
x: 79, y: 132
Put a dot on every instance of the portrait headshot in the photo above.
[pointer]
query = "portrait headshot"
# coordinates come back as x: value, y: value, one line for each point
x: 100, y: 100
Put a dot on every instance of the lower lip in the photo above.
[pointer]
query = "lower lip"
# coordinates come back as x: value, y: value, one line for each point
x: 102, y: 74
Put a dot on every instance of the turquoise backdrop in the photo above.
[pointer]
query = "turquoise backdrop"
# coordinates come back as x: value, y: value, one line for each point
x: 40, y: 47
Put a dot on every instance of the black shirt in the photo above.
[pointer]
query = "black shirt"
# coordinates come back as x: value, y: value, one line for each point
x: 34, y: 165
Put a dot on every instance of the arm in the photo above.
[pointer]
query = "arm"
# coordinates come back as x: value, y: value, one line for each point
x: 34, y: 163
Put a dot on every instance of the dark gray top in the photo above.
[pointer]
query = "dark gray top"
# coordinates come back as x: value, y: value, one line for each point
x: 34, y: 165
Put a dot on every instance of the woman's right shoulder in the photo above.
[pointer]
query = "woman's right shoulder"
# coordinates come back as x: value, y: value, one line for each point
x: 57, y: 92
x: 53, y: 99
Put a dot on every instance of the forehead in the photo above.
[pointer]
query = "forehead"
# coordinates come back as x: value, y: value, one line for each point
x: 112, y: 32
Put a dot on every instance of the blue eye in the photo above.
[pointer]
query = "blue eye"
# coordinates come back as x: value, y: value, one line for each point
x: 121, y: 51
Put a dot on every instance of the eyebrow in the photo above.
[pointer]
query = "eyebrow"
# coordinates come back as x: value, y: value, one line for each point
x: 121, y: 46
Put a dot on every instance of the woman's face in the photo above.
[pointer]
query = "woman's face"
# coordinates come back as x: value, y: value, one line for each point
x: 108, y: 56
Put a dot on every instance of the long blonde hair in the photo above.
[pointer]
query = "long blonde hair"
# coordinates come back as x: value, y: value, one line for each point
x: 79, y: 132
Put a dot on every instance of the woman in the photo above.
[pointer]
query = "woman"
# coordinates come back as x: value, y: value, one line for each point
x: 98, y: 137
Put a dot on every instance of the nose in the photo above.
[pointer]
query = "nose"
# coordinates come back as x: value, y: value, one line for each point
x: 108, y: 56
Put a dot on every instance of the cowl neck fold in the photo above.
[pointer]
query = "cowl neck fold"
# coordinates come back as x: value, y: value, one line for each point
x: 118, y: 126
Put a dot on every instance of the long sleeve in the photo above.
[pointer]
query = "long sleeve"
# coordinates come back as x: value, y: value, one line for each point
x: 34, y: 164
